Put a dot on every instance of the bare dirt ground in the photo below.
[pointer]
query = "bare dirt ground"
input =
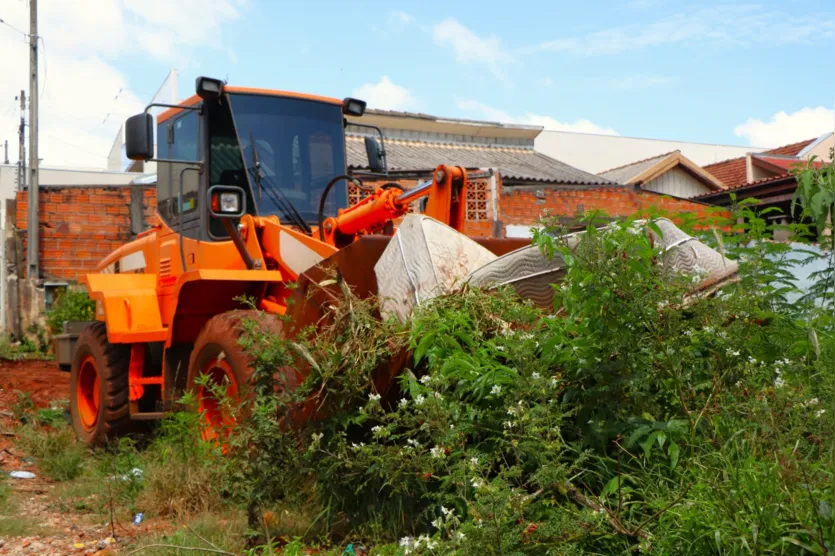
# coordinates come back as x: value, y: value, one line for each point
x: 45, y: 524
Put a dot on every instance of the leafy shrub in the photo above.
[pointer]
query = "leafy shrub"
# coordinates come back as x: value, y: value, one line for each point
x: 70, y: 305
x: 631, y: 421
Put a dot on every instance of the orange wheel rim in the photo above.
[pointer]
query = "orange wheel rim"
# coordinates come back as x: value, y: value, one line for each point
x: 217, y: 417
x: 87, y: 393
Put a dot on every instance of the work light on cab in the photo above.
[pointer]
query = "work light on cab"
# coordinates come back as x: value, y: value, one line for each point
x: 226, y: 201
x: 208, y: 88
x: 353, y: 107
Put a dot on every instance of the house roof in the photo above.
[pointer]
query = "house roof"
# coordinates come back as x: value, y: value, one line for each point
x: 708, y: 197
x: 731, y: 172
x: 792, y: 149
x: 515, y: 163
x: 644, y: 171
x: 780, y: 163
x: 734, y: 172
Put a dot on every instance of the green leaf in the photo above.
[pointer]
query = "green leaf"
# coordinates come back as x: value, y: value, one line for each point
x: 647, y: 444
x: 673, y: 452
x: 812, y: 549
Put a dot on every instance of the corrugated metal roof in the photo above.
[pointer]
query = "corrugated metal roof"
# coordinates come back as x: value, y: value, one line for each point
x: 514, y: 163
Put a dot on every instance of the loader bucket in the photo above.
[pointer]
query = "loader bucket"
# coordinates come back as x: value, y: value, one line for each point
x: 355, y: 264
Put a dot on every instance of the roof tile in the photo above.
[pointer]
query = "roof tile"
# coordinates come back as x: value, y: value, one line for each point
x: 792, y: 149
x: 513, y: 162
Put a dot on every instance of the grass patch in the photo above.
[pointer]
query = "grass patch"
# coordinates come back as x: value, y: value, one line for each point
x: 58, y: 454
x: 223, y: 531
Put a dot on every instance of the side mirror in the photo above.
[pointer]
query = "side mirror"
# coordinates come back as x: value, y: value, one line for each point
x: 139, y: 137
x: 376, y: 157
x: 226, y: 201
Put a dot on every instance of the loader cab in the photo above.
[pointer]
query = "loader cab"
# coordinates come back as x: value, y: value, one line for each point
x: 281, y: 149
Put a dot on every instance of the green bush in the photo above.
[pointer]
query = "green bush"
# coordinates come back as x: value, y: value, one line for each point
x: 70, y: 305
x: 633, y: 421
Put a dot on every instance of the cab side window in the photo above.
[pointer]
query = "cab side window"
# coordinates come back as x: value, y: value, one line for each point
x: 177, y: 139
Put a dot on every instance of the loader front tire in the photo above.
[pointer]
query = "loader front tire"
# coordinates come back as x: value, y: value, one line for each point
x: 99, y: 386
x: 228, y: 367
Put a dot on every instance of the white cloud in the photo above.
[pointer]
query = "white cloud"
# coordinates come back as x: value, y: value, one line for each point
x: 549, y: 123
x: 395, y: 23
x: 385, y: 95
x: 783, y: 128
x: 721, y: 25
x: 470, y: 48
x: 401, y: 18
x: 85, y: 98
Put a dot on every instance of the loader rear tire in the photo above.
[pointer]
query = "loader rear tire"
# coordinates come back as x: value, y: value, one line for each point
x: 218, y: 355
x: 99, y: 386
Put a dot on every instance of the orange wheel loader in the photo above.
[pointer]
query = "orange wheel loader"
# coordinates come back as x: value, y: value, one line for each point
x: 251, y: 198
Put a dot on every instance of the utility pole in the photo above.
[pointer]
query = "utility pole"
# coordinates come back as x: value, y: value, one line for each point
x: 21, y: 155
x: 33, y: 255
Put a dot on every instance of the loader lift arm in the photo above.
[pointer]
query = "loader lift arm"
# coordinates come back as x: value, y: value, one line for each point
x: 446, y: 201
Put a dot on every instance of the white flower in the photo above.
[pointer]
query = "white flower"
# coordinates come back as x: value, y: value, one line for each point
x: 430, y: 544
x: 509, y: 424
x: 437, y: 523
x: 752, y: 360
x: 688, y: 332
x: 404, y: 402
x: 496, y: 390
x: 500, y: 348
x: 356, y: 446
x: 478, y: 523
x: 451, y: 426
x: 511, y: 410
x: 407, y: 542
x: 459, y: 536
x: 446, y: 511
x: 378, y: 430
x: 738, y: 384
x: 374, y: 397
x: 813, y: 401
x: 477, y: 483
x: 425, y: 379
x: 732, y: 353
x: 413, y: 442
x: 553, y: 382
x: 536, y: 376
x: 708, y: 329
x: 633, y: 230
x: 437, y: 395
x: 317, y: 436
x: 473, y: 461
x: 438, y: 452
x: 779, y: 382
x: 819, y: 412
x: 419, y: 400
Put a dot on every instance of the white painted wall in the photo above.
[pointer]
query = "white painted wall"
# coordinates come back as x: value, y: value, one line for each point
x: 677, y: 182
x: 63, y: 176
x: 597, y: 153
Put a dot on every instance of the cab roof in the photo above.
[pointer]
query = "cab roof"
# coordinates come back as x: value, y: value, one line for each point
x: 194, y: 99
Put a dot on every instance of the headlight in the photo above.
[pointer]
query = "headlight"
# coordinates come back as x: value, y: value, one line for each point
x: 230, y: 202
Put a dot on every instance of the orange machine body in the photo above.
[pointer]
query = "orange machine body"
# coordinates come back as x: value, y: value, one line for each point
x: 157, y: 292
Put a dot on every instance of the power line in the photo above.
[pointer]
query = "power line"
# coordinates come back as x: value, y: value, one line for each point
x: 13, y: 27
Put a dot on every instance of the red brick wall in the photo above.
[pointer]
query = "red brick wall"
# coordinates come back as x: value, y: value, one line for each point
x: 80, y: 226
x: 527, y: 204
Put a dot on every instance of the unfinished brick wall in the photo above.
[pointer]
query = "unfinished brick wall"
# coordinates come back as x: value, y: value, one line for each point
x: 525, y: 205
x: 80, y: 225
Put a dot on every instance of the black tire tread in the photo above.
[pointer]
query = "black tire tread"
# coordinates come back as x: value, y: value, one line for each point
x: 113, y: 361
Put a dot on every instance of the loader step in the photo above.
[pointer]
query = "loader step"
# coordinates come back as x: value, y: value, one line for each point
x: 148, y: 416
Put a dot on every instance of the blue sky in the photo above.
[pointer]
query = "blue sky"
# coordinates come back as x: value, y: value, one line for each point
x: 720, y: 72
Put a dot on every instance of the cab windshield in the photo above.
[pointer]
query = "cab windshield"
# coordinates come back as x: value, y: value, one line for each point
x: 299, y: 147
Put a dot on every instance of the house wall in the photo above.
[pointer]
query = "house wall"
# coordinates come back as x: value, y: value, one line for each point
x: 523, y: 207
x: 597, y: 153
x: 823, y: 150
x: 677, y: 182
x: 81, y: 225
